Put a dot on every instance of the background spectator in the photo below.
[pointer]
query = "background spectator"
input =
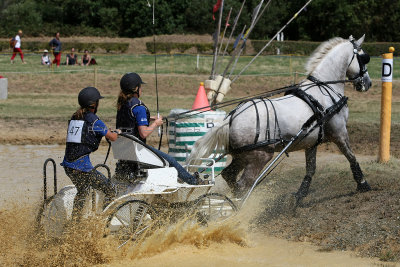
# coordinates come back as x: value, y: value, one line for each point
x: 72, y: 58
x: 17, y: 48
x: 55, y: 45
x: 46, y: 60
x: 86, y: 59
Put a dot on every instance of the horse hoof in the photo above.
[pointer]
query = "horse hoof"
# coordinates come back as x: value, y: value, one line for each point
x: 363, y: 187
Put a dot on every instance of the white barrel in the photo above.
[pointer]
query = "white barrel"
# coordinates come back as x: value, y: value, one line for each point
x: 3, y: 88
x: 184, y: 130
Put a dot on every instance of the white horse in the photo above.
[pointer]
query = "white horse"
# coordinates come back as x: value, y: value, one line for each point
x: 259, y: 127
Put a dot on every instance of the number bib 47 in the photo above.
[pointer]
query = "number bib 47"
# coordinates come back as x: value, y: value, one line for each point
x: 74, y: 134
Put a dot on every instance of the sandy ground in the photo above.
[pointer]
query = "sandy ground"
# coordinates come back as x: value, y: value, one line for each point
x: 21, y: 179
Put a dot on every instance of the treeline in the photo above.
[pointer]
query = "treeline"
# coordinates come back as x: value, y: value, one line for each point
x: 323, y: 19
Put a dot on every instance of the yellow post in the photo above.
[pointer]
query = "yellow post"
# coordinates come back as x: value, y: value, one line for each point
x: 386, y: 106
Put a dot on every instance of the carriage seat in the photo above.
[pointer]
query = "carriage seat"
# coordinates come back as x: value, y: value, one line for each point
x: 128, y: 147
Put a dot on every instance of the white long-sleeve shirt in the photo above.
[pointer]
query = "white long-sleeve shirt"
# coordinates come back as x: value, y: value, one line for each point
x: 18, y: 43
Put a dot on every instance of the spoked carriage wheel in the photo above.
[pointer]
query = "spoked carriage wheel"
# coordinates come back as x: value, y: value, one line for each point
x: 130, y: 220
x: 41, y: 214
x: 213, y: 207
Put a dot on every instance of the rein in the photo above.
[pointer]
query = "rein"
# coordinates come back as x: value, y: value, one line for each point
x: 240, y: 100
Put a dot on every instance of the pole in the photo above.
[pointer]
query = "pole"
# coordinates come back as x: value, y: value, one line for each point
x: 212, y: 76
x: 386, y: 106
x: 233, y: 28
x: 155, y: 70
x: 273, y: 38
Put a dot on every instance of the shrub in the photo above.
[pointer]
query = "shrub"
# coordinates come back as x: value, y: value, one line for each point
x: 162, y: 47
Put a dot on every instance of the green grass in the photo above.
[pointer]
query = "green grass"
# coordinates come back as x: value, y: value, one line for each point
x: 368, y: 111
x: 56, y: 106
x: 181, y: 64
x: 38, y: 104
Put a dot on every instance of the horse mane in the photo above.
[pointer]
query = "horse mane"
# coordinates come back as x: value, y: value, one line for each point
x: 320, y: 53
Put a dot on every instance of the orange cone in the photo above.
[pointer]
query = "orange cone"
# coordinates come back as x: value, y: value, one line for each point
x: 201, y: 99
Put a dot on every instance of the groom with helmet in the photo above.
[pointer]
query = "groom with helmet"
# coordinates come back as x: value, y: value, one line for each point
x: 85, y: 131
x: 133, y: 117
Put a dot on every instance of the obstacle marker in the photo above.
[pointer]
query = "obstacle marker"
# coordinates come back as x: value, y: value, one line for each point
x: 184, y: 132
x: 386, y: 106
x: 201, y: 99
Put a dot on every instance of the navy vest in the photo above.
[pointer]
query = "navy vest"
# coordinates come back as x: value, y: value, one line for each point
x: 126, y: 120
x: 81, y: 142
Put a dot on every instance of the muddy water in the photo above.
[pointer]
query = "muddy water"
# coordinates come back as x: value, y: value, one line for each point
x: 230, y: 244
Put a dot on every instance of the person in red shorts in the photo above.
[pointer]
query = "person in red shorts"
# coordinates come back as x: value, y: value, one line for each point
x: 17, y: 48
x: 55, y: 45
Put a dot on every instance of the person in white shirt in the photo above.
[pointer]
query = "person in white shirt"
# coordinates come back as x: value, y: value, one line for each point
x: 17, y: 48
x: 46, y: 60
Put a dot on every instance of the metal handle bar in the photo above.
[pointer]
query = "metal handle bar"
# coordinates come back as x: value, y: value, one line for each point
x: 105, y: 167
x: 45, y: 177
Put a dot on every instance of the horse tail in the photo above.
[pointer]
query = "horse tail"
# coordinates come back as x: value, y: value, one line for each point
x: 217, y: 139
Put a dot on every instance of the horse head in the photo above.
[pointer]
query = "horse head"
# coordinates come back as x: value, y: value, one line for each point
x: 357, y: 69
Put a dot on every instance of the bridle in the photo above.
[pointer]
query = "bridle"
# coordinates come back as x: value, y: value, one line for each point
x: 362, y: 60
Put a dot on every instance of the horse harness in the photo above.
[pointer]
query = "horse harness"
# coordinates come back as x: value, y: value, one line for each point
x: 321, y: 116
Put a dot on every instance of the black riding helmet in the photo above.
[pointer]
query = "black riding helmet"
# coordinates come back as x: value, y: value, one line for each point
x: 88, y: 96
x: 129, y: 82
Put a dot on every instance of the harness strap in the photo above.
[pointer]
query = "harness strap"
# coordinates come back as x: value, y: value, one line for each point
x: 257, y: 122
x: 276, y: 122
x: 309, y: 99
x: 323, y: 85
x: 267, y: 131
x: 315, y: 106
x: 329, y: 113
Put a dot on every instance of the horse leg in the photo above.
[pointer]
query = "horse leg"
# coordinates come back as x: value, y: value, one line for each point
x: 254, y: 162
x: 311, y: 156
x: 344, y: 146
x: 230, y: 173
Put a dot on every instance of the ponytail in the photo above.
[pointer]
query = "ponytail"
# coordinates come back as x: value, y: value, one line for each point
x: 78, y: 115
x: 123, y: 99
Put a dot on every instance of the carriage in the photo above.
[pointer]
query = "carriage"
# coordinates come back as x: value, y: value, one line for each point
x: 141, y: 201
x: 310, y: 113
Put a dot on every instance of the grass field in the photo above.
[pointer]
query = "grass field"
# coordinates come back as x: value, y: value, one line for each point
x: 283, y: 65
x: 41, y: 99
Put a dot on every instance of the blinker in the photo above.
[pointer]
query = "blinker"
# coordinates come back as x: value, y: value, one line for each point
x: 364, y: 58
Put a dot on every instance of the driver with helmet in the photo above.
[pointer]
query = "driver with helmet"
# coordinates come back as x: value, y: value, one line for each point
x: 85, y: 131
x: 133, y: 117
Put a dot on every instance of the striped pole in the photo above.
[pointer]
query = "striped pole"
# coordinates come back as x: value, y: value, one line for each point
x: 386, y: 106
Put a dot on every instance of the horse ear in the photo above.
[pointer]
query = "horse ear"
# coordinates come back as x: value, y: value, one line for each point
x: 360, y: 41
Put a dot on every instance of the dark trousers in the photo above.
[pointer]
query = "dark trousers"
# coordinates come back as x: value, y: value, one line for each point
x: 84, y: 180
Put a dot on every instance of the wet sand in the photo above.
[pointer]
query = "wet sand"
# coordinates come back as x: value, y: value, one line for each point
x: 21, y: 180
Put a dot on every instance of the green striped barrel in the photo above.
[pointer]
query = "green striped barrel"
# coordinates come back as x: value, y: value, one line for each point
x: 184, y: 130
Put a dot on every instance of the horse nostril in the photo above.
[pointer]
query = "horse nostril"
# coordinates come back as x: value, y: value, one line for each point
x: 370, y: 84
